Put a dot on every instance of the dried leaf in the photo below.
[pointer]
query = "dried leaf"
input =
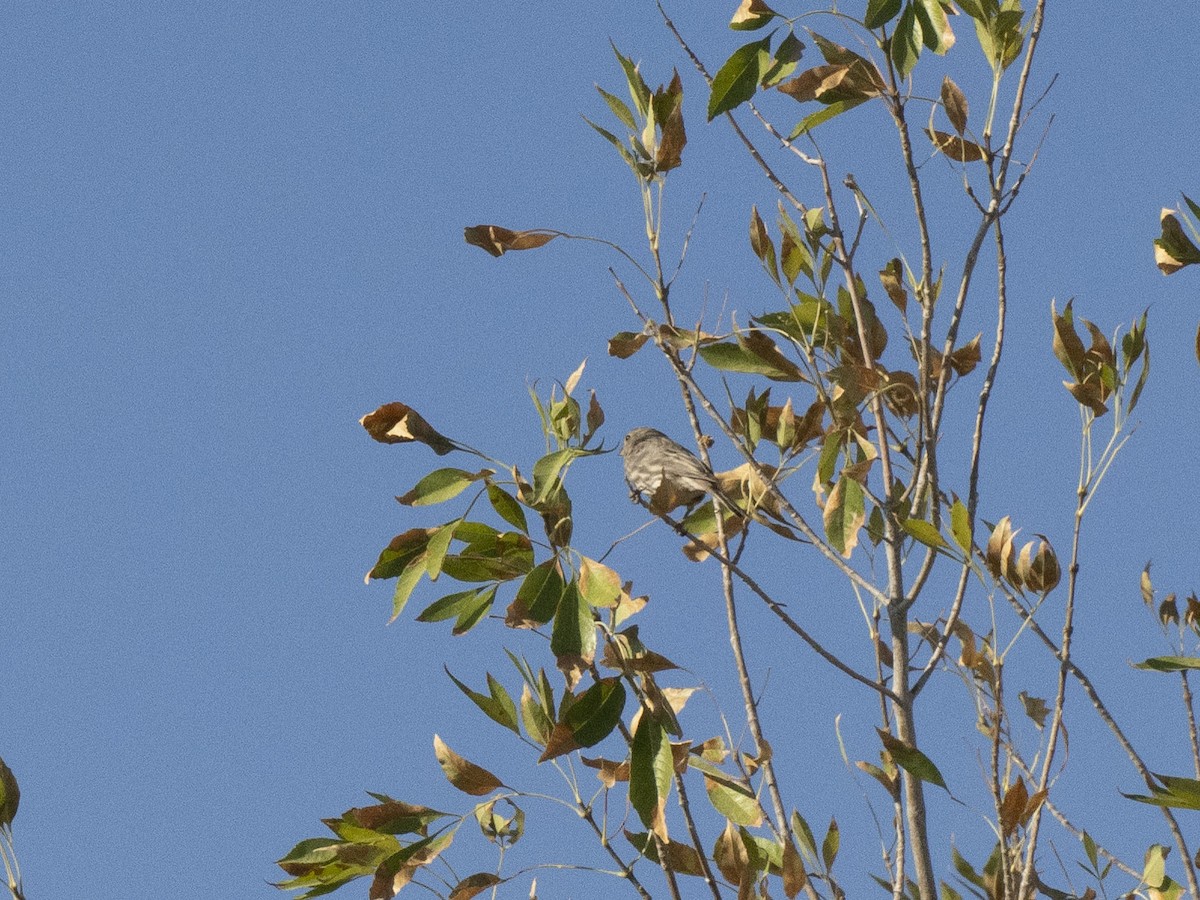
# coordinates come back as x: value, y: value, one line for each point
x: 397, y: 423
x: 497, y: 240
x: 957, y: 148
x: 892, y: 277
x: 462, y: 773
x: 954, y: 101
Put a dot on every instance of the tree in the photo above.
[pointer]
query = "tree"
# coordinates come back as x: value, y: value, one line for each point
x: 860, y: 387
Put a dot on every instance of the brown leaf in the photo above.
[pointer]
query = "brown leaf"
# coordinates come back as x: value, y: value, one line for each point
x: 1000, y: 556
x: 562, y: 740
x: 957, y: 148
x: 397, y: 423
x: 684, y: 859
x: 607, y: 771
x: 900, y: 394
x: 794, y: 875
x: 1039, y: 570
x: 1066, y: 343
x: 1087, y: 394
x: 474, y: 885
x: 497, y: 240
x: 730, y: 854
x: 462, y: 773
x: 572, y: 667
x: 1012, y: 807
x: 626, y: 343
x: 892, y: 277
x: 382, y: 814
x: 965, y: 358
x: 1100, y: 351
x: 955, y: 104
x: 831, y: 83
x: 674, y: 137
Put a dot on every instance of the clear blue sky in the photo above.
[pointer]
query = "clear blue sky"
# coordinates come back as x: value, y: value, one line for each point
x: 229, y: 230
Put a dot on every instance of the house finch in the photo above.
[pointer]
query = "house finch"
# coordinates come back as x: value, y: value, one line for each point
x: 670, y: 474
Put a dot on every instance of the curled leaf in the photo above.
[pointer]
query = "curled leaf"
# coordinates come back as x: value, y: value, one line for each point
x: 1173, y: 249
x: 497, y: 240
x: 954, y: 101
x: 398, y: 423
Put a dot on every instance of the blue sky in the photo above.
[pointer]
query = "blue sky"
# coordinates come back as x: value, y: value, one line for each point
x: 232, y: 229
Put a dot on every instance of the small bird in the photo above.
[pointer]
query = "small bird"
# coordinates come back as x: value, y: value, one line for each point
x: 652, y: 458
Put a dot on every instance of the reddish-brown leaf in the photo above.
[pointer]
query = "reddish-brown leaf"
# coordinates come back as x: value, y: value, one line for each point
x: 398, y: 423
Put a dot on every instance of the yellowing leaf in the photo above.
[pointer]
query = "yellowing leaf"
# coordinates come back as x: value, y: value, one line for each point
x: 599, y: 585
x: 462, y: 773
x: 844, y: 515
x: 750, y: 15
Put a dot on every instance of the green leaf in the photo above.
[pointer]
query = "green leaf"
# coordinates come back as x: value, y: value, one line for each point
x: 441, y: 485
x: 737, y: 80
x: 538, y: 723
x: 1169, y: 663
x: 829, y: 847
x: 911, y: 760
x: 905, y: 44
x: 762, y: 245
x: 405, y: 585
x: 924, y: 532
x: 821, y: 116
x: 400, y: 553
x: 784, y: 62
x: 596, y: 712
x: 752, y: 15
x: 639, y: 92
x: 496, y: 705
x: 507, y: 507
x: 880, y: 12
x: 1184, y: 790
x: 1173, y: 249
x: 539, y: 594
x: 735, y: 802
x: 449, y: 606
x: 439, y: 544
x: 10, y: 795
x: 473, y: 612
x: 650, y: 770
x: 845, y: 513
x: 739, y: 358
x: 574, y: 629
x: 489, y: 555
x: 619, y: 108
x: 599, y: 585
x: 804, y: 835
x: 960, y: 526
x: 935, y: 26
x: 548, y: 471
x: 1156, y: 866
x: 620, y: 147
